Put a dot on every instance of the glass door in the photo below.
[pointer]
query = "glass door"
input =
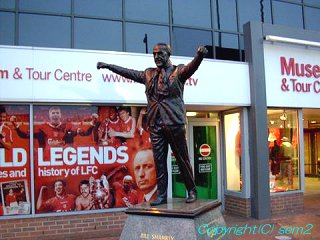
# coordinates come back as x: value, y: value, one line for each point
x: 203, y: 151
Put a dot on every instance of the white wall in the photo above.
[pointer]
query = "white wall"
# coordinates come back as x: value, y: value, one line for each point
x: 215, y: 82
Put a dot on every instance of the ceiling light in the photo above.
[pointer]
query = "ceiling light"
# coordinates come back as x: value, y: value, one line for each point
x: 283, y: 116
x: 191, y: 114
x: 292, y: 40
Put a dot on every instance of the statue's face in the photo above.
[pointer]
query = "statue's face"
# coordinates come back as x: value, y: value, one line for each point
x: 160, y: 56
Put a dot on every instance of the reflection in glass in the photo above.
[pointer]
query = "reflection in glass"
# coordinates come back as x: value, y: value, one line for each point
x: 53, y: 6
x: 192, y: 13
x: 98, y: 34
x: 284, y: 160
x: 155, y: 34
x: 7, y: 28
x: 293, y: 17
x: 186, y: 41
x: 250, y: 10
x: 151, y: 10
x: 98, y: 8
x: 233, y: 151
x: 227, y: 46
x: 8, y: 4
x: 312, y: 2
x: 225, y: 17
x: 34, y: 31
x: 312, y: 18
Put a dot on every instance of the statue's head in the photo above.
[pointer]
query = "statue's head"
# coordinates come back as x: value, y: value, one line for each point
x: 161, y: 54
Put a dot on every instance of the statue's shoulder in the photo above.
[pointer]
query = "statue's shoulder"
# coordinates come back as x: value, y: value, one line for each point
x: 150, y: 70
x: 149, y: 74
x: 179, y: 66
x: 175, y: 71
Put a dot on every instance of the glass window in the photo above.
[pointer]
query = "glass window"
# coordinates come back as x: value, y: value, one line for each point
x: 250, y: 10
x: 155, y: 34
x: 74, y: 155
x: 44, y: 31
x: 205, y: 160
x: 233, y: 151
x: 9, y: 4
x: 311, y: 152
x: 99, y: 8
x: 312, y: 18
x: 226, y: 40
x: 15, y: 187
x: 225, y: 16
x: 187, y: 12
x: 7, y: 28
x: 312, y: 2
x: 287, y: 14
x: 241, y: 42
x: 294, y: 1
x: 152, y: 10
x: 186, y: 41
x: 227, y: 46
x: 97, y: 34
x: 284, y: 160
x: 53, y: 6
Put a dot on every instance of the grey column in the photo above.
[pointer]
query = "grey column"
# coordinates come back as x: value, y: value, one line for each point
x: 258, y: 127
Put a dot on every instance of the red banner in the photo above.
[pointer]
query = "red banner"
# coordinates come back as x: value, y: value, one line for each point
x: 84, y: 157
x: 14, y: 161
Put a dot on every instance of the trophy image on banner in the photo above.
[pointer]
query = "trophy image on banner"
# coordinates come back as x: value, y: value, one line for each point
x: 99, y: 190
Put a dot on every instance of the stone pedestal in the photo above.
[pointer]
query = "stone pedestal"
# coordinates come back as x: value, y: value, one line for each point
x: 174, y: 221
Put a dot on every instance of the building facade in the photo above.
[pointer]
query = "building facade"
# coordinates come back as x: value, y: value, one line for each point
x: 252, y: 106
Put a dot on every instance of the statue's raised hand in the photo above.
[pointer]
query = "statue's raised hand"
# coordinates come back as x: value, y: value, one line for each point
x: 202, y: 50
x: 102, y: 65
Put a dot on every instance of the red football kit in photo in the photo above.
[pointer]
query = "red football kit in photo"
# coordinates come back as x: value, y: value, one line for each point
x: 5, y: 134
x: 49, y: 136
x: 127, y: 126
x: 10, y: 199
x: 6, y: 138
x: 145, y: 141
x: 60, y: 203
x: 125, y: 199
x: 115, y: 126
x: 52, y: 135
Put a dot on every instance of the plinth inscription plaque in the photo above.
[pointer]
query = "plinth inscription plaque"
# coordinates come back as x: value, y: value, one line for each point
x: 174, y: 221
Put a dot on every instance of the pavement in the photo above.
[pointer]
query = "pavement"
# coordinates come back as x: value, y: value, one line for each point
x: 304, y: 224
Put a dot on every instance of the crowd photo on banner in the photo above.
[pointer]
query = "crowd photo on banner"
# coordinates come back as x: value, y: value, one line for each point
x: 82, y: 158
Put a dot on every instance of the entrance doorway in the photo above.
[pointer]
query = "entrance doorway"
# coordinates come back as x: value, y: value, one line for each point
x: 203, y: 144
x: 312, y: 150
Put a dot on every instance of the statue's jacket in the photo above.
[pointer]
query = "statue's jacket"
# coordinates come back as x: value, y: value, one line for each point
x: 168, y: 104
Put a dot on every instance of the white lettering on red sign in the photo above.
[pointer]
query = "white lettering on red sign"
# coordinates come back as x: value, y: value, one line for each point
x: 205, y: 150
x: 83, y: 156
x: 18, y: 159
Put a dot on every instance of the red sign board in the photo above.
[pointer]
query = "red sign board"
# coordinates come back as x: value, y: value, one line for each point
x: 205, y: 150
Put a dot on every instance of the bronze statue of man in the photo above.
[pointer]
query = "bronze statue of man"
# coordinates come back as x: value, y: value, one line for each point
x: 166, y: 115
